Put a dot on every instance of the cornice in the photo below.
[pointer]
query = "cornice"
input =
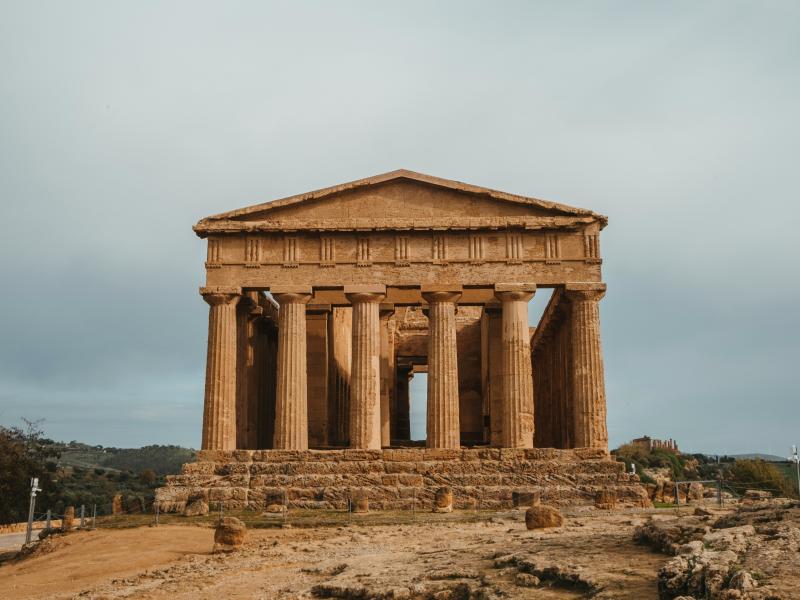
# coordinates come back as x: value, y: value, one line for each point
x: 226, y: 226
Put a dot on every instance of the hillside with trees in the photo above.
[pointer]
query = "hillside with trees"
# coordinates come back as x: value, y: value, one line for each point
x: 74, y: 474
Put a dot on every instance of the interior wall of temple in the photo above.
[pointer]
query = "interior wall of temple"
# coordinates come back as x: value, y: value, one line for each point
x: 317, y: 346
x: 551, y: 359
x: 340, y: 344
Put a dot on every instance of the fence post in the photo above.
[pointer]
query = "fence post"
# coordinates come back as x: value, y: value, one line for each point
x: 31, y: 506
x: 158, y: 508
x: 719, y: 492
x: 677, y: 494
x: 83, y: 515
x: 49, y: 517
x: 94, y: 516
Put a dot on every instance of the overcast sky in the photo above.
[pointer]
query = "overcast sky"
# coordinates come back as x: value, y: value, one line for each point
x: 123, y: 123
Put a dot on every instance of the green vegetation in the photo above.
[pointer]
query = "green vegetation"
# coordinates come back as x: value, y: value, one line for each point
x: 738, y: 475
x: 23, y: 455
x: 162, y: 460
x: 760, y: 475
x: 77, y: 474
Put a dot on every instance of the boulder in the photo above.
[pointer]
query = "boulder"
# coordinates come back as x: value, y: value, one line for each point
x: 196, y: 508
x: 443, y: 500
x: 229, y: 535
x: 542, y: 516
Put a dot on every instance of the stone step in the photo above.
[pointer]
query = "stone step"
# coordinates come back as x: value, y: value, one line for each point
x: 541, y: 467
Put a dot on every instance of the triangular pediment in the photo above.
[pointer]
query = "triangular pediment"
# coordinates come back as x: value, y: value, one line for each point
x: 396, y: 199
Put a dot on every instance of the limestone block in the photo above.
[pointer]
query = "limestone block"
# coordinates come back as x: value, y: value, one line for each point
x: 360, y: 504
x: 198, y: 468
x: 67, y: 522
x: 362, y: 454
x: 411, y: 480
x: 267, y: 468
x: 543, y: 516
x: 605, y: 499
x: 442, y: 454
x: 243, y: 455
x: 196, y: 508
x: 526, y: 497
x: 223, y: 456
x: 443, y: 500
x: 229, y: 535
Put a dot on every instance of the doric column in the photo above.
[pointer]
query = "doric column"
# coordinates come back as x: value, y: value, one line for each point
x: 291, y: 398
x: 587, y: 376
x: 517, y: 375
x: 365, y: 381
x: 387, y: 371
x: 219, y: 411
x: 443, y: 429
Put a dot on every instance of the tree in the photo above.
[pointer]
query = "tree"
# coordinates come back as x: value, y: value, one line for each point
x: 760, y: 475
x: 147, y: 477
x: 24, y: 454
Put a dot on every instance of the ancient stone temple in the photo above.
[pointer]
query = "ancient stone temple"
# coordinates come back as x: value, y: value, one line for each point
x: 323, y: 305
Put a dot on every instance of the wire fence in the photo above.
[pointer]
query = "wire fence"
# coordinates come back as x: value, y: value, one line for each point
x: 420, y: 508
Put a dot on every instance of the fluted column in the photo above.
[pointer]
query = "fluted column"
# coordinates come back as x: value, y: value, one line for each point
x: 443, y: 430
x: 517, y: 375
x: 587, y: 374
x: 387, y: 371
x: 365, y: 378
x: 291, y: 398
x: 219, y: 411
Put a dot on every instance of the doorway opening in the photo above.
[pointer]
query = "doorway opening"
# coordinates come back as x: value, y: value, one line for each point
x: 418, y: 405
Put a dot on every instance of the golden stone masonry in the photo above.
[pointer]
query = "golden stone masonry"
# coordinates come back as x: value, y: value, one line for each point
x: 369, y: 283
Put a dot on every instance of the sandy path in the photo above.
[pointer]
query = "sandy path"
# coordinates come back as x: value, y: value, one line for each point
x: 173, y: 562
x: 87, y: 558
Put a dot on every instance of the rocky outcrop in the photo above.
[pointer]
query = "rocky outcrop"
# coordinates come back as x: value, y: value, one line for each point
x: 745, y: 555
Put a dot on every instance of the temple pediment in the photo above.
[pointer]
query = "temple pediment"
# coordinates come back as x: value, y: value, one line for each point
x: 400, y: 200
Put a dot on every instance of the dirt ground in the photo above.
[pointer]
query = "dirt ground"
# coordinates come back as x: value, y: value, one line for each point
x: 592, y: 555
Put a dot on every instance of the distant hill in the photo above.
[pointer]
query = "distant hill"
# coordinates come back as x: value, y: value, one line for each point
x: 759, y: 456
x: 163, y: 460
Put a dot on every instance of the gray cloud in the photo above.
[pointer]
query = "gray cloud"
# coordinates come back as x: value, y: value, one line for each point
x: 122, y: 124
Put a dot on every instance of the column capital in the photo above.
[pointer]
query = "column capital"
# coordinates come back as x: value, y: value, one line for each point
x: 440, y: 295
x: 514, y: 291
x: 364, y: 293
x: 585, y: 291
x: 216, y: 296
x: 291, y: 294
